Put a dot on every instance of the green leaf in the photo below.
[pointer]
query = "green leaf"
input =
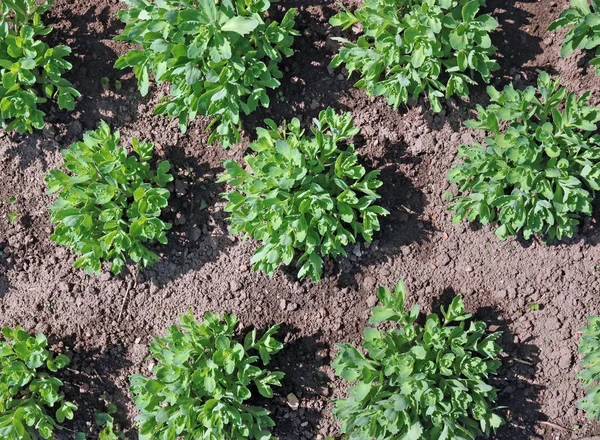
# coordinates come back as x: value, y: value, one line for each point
x: 240, y: 25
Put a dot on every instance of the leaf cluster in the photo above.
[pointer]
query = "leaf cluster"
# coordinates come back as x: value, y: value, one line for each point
x: 538, y: 169
x: 589, y: 346
x: 419, y: 382
x: 410, y: 47
x: 584, y: 20
x: 30, y: 70
x: 109, y: 202
x: 219, y: 57
x: 203, y: 380
x: 301, y: 192
x: 28, y: 387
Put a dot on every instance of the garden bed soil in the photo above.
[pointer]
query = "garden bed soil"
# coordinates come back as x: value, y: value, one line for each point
x: 104, y: 322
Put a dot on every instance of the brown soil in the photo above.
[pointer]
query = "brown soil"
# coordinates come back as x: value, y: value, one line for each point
x: 206, y: 269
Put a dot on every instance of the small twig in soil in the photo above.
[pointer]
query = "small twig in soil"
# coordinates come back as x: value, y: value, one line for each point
x: 410, y: 211
x: 125, y: 298
x: 554, y: 425
x: 67, y: 429
x: 98, y: 376
x: 522, y: 361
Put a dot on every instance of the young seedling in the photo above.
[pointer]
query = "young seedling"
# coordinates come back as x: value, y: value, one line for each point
x: 539, y: 167
x: 589, y: 375
x: 109, y: 202
x: 408, y: 48
x: 584, y: 20
x: 31, y: 404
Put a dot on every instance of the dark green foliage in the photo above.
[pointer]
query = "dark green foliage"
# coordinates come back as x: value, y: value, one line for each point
x: 203, y: 378
x: 417, y: 382
x: 538, y: 169
x: 28, y: 388
x: 410, y: 47
x: 109, y: 203
x: 300, y: 192
x: 219, y: 57
x: 30, y: 70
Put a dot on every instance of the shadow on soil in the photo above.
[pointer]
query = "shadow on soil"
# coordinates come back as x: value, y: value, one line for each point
x: 4, y: 266
x: 517, y: 393
x: 91, y: 39
x: 31, y: 148
x: 89, y: 383
x: 301, y: 360
x: 402, y: 227
x: 198, y: 234
x: 515, y: 378
x: 511, y: 34
x: 308, y: 86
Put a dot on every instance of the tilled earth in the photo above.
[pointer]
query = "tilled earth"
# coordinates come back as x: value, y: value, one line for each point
x: 104, y: 322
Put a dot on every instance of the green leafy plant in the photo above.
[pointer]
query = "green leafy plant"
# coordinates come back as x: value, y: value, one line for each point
x: 409, y: 47
x: 30, y: 70
x: 584, y: 20
x: 419, y: 382
x: 110, y: 203
x: 203, y: 379
x: 538, y: 169
x: 28, y: 387
x: 300, y: 192
x: 589, y: 346
x: 219, y: 57
x: 106, y: 421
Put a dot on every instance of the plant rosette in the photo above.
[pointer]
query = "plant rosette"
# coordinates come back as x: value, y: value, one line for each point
x: 539, y: 167
x: 202, y: 381
x: 219, y: 57
x: 303, y: 193
x: 109, y: 202
x: 411, y: 47
x: 418, y: 382
x: 29, y: 388
x: 30, y: 70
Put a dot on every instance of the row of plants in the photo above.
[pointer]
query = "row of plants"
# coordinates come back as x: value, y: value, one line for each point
x: 220, y: 57
x: 305, y: 197
x: 409, y: 380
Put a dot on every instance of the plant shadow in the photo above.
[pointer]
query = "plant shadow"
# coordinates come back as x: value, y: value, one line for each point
x: 512, y: 34
x: 518, y: 401
x: 31, y: 148
x: 4, y: 267
x: 90, y: 381
x: 301, y: 359
x: 199, y: 230
x: 94, y: 52
x: 308, y: 86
